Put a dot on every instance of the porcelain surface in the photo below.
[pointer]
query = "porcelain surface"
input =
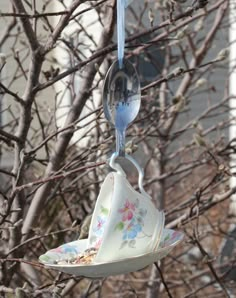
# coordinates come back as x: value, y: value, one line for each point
x: 123, y: 220
x: 169, y: 240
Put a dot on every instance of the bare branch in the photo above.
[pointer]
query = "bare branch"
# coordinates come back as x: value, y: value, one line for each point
x: 32, y: 39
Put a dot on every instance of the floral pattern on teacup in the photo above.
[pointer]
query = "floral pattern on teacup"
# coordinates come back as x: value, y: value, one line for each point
x: 99, y: 226
x: 131, y: 223
x: 132, y: 230
x: 127, y: 211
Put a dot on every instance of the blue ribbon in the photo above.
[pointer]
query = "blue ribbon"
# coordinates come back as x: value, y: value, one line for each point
x: 127, y: 2
x: 121, y: 4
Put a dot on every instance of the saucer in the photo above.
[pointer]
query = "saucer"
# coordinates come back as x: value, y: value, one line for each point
x: 169, y: 240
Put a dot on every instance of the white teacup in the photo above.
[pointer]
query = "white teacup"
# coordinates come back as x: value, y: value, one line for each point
x: 125, y: 223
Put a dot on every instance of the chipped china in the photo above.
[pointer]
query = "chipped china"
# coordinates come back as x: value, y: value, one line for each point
x: 125, y: 222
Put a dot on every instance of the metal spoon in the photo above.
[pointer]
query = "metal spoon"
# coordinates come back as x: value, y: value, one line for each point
x: 121, y: 99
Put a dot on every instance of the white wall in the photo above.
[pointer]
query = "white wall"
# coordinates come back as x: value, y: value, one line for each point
x: 87, y: 42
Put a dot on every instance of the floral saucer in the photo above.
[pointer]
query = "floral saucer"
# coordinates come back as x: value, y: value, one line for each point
x: 169, y: 240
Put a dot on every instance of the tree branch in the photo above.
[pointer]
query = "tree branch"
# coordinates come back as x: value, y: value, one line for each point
x: 75, y: 111
x: 30, y: 34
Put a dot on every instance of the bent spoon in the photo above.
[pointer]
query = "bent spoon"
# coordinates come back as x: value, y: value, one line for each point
x: 121, y: 99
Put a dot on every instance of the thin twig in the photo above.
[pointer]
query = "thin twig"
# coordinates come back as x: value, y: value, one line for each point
x: 163, y: 281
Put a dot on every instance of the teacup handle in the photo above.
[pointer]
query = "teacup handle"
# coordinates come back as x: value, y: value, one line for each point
x: 114, y: 165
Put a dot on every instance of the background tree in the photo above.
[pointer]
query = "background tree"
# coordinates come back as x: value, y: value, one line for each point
x: 55, y: 141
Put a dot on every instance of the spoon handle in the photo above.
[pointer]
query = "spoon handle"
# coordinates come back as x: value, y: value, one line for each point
x: 120, y: 141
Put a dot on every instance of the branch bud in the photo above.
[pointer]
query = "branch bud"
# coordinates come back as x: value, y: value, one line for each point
x: 199, y: 25
x: 151, y: 16
x: 180, y: 34
x: 200, y: 83
x: 222, y: 55
x: 198, y: 139
x: 179, y: 101
x: 175, y: 73
x: 130, y: 147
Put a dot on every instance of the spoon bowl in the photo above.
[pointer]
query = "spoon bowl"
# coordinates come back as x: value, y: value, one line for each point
x: 121, y: 99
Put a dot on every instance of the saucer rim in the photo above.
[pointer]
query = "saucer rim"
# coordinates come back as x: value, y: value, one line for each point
x: 115, y: 261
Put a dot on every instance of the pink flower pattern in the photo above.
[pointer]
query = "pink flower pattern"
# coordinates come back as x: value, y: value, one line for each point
x: 127, y: 211
x: 98, y: 243
x: 131, y: 222
x: 171, y: 238
x: 57, y: 249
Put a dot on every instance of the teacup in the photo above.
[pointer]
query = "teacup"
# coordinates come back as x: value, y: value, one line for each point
x: 125, y: 222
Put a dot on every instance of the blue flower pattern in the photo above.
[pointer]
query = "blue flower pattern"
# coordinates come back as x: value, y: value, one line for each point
x: 132, y: 230
x: 131, y: 223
